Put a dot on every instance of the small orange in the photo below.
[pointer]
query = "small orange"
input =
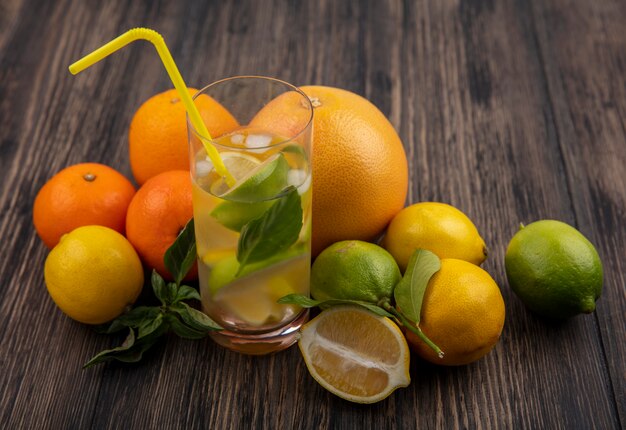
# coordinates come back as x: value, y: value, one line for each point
x: 156, y: 215
x: 82, y: 194
x: 360, y: 171
x: 158, y: 132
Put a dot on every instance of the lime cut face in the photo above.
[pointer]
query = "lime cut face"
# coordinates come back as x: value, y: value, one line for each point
x: 257, y: 183
x: 263, y: 182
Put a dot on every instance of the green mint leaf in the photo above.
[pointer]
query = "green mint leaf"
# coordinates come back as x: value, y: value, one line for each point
x: 159, y: 288
x: 194, y: 318
x: 109, y: 354
x: 275, y: 231
x: 150, y: 326
x: 409, y: 293
x: 131, y: 351
x: 186, y: 293
x: 367, y: 305
x: 183, y: 330
x: 179, y: 257
x: 171, y: 291
x: 298, y: 299
x: 306, y: 302
x: 133, y: 318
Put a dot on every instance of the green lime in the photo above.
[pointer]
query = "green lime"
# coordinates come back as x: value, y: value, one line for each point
x: 554, y: 269
x: 265, y: 181
x: 354, y: 270
x: 224, y: 271
x: 234, y: 215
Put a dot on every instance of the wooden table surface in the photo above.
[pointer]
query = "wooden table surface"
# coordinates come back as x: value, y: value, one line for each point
x: 512, y: 111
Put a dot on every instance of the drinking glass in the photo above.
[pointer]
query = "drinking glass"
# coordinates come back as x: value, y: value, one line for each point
x: 253, y: 232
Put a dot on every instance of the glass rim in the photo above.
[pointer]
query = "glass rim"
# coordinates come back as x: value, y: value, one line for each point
x: 241, y: 77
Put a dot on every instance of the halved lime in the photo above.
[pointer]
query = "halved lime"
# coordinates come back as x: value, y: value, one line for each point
x: 237, y: 163
x: 262, y: 182
x: 234, y: 215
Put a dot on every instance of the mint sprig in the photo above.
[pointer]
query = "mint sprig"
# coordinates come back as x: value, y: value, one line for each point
x: 147, y: 324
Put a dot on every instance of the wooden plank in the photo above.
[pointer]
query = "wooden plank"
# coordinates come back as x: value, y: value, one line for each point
x: 481, y: 136
x: 583, y: 50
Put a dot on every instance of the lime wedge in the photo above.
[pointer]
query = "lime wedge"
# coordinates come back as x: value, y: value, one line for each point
x: 224, y: 272
x: 234, y: 215
x: 239, y: 165
x: 263, y: 182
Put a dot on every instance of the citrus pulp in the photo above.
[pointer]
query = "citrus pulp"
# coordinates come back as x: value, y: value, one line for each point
x: 355, y: 354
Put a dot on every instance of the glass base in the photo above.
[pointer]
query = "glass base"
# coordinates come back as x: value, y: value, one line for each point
x: 264, y: 342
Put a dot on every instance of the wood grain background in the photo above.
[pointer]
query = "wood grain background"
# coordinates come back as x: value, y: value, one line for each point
x: 512, y: 111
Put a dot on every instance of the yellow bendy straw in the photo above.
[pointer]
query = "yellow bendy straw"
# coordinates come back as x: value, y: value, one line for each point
x: 157, y: 40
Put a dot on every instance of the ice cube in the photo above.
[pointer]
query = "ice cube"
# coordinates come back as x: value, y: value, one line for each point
x: 258, y: 142
x: 299, y: 179
x: 237, y: 139
x: 203, y: 168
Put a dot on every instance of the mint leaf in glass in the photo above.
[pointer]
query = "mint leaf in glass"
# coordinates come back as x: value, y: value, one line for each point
x: 275, y: 231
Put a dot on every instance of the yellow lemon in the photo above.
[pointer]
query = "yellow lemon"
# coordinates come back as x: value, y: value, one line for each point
x: 93, y: 274
x: 462, y: 313
x: 437, y: 227
x: 355, y: 354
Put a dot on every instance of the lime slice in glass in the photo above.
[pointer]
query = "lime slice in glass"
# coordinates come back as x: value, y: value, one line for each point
x: 239, y: 165
x: 262, y: 182
x: 224, y: 271
x: 234, y: 215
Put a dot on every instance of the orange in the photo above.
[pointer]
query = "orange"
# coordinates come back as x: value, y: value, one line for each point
x: 158, y: 132
x: 462, y: 313
x: 360, y: 171
x: 82, y: 194
x: 157, y: 214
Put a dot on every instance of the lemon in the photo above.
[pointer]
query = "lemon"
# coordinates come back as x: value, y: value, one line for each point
x: 93, y: 274
x: 437, y: 227
x: 354, y: 270
x: 355, y: 354
x: 554, y: 269
x: 462, y: 313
